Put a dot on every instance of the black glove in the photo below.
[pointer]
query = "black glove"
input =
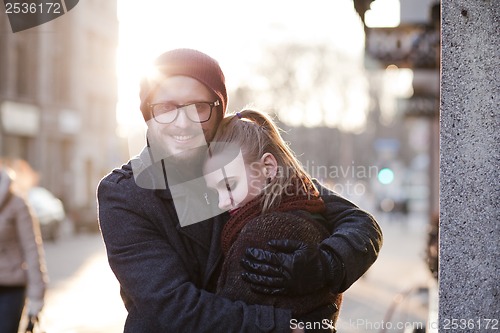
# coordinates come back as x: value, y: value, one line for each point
x: 294, y: 269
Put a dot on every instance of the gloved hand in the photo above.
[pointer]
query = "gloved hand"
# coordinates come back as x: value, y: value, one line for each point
x: 34, y: 307
x: 294, y: 269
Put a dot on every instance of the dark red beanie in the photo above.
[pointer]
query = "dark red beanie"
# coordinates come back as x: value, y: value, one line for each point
x: 190, y: 63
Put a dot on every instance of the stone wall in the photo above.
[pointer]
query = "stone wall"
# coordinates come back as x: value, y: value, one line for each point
x: 469, y: 280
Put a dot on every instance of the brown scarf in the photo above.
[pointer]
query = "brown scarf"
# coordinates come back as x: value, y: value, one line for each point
x: 311, y: 203
x: 248, y: 227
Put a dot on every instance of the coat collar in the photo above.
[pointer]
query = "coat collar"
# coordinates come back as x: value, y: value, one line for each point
x: 207, y: 234
x: 193, y: 198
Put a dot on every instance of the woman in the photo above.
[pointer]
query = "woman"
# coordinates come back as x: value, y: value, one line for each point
x: 22, y: 267
x: 269, y: 196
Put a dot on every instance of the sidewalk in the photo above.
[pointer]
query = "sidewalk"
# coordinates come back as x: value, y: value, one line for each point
x: 83, y: 294
x: 399, y: 268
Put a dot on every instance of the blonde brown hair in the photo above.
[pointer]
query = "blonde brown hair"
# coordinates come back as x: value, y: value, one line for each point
x: 255, y: 133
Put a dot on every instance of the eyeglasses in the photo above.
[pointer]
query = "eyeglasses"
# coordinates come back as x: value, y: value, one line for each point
x: 166, y: 113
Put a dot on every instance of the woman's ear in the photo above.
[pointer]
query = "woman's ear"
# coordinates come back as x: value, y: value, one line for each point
x: 269, y: 165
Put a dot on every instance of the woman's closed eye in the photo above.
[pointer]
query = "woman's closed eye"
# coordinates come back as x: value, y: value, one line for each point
x: 231, y: 185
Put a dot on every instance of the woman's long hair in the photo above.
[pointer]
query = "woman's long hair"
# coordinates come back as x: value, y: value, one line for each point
x: 255, y: 133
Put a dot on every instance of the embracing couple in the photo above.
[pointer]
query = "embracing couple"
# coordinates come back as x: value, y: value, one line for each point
x: 216, y: 227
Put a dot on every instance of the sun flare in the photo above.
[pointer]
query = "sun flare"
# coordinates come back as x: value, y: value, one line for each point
x: 233, y: 33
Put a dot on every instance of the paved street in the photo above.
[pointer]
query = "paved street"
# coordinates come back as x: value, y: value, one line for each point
x: 400, y: 268
x: 84, y: 295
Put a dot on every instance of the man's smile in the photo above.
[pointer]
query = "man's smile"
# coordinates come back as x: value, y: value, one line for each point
x: 183, y: 138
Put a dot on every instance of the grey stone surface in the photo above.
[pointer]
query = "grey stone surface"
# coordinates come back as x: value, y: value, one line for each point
x: 469, y: 281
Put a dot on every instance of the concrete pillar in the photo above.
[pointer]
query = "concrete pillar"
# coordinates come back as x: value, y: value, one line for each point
x: 469, y: 281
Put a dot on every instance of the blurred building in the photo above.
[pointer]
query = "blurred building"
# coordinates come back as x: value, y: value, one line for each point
x: 58, y: 94
x: 412, y: 43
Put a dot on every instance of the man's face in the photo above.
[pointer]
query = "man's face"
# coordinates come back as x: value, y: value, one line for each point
x: 180, y: 138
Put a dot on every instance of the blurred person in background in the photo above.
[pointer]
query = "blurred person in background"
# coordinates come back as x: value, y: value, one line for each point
x: 166, y: 262
x: 22, y: 263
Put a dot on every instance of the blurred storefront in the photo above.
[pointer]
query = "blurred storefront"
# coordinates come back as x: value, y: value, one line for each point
x: 411, y: 43
x: 58, y: 95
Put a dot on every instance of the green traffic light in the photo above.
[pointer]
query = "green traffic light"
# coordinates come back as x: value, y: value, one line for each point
x: 385, y: 176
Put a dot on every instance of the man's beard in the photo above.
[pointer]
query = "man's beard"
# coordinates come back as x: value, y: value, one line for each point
x: 185, y: 166
x: 162, y: 148
x: 190, y: 158
x: 180, y: 166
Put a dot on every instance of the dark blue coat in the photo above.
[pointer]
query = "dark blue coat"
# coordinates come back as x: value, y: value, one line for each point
x: 168, y: 273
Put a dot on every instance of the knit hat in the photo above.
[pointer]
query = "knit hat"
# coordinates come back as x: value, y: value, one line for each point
x: 190, y: 63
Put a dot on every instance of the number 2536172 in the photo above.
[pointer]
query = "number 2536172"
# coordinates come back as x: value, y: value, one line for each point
x: 470, y: 324
x: 33, y: 8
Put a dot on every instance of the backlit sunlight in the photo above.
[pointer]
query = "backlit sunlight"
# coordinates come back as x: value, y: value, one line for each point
x: 383, y: 14
x: 233, y: 33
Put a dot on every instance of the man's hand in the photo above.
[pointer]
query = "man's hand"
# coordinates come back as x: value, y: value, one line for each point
x: 294, y: 268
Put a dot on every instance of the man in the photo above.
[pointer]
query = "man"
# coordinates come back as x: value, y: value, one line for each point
x: 167, y: 263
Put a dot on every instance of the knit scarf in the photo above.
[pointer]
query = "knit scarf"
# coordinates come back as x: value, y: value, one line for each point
x: 311, y: 203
